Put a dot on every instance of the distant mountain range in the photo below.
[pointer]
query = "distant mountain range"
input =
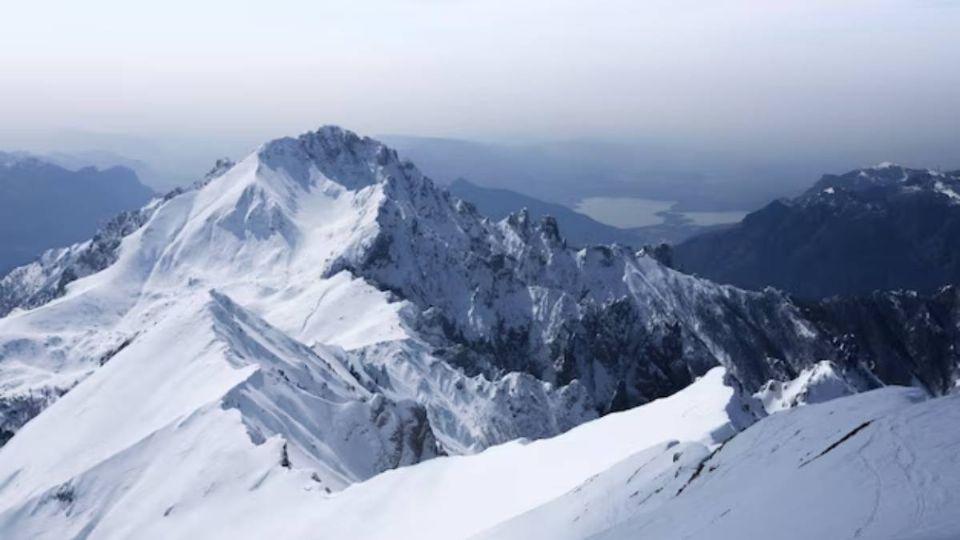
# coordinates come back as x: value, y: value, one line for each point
x: 880, y: 228
x: 44, y: 205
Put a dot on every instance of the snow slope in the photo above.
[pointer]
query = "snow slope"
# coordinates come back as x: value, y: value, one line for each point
x: 455, y: 497
x: 191, y: 469
x: 879, y: 465
x: 875, y: 465
x: 865, y: 466
x: 217, y: 357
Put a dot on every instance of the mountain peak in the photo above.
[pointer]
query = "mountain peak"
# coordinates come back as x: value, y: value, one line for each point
x: 336, y: 153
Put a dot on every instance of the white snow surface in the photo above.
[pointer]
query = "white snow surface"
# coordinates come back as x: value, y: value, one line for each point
x: 878, y: 465
x: 183, y: 468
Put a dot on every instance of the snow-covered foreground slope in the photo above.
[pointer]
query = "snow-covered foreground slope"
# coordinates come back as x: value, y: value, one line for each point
x: 455, y: 497
x: 879, y: 465
x: 181, y: 467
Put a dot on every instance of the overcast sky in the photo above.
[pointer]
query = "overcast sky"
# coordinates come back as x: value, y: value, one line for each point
x: 763, y: 75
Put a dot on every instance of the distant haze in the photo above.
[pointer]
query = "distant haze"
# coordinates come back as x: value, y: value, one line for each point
x: 742, y: 82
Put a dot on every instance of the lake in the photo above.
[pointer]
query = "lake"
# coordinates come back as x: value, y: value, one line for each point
x: 628, y: 212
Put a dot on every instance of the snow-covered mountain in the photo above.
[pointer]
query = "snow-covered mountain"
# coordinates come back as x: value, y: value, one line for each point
x: 274, y: 234
x: 304, y: 320
x: 881, y: 228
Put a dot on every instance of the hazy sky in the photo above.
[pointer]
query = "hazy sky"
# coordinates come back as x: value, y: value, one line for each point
x: 756, y: 75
